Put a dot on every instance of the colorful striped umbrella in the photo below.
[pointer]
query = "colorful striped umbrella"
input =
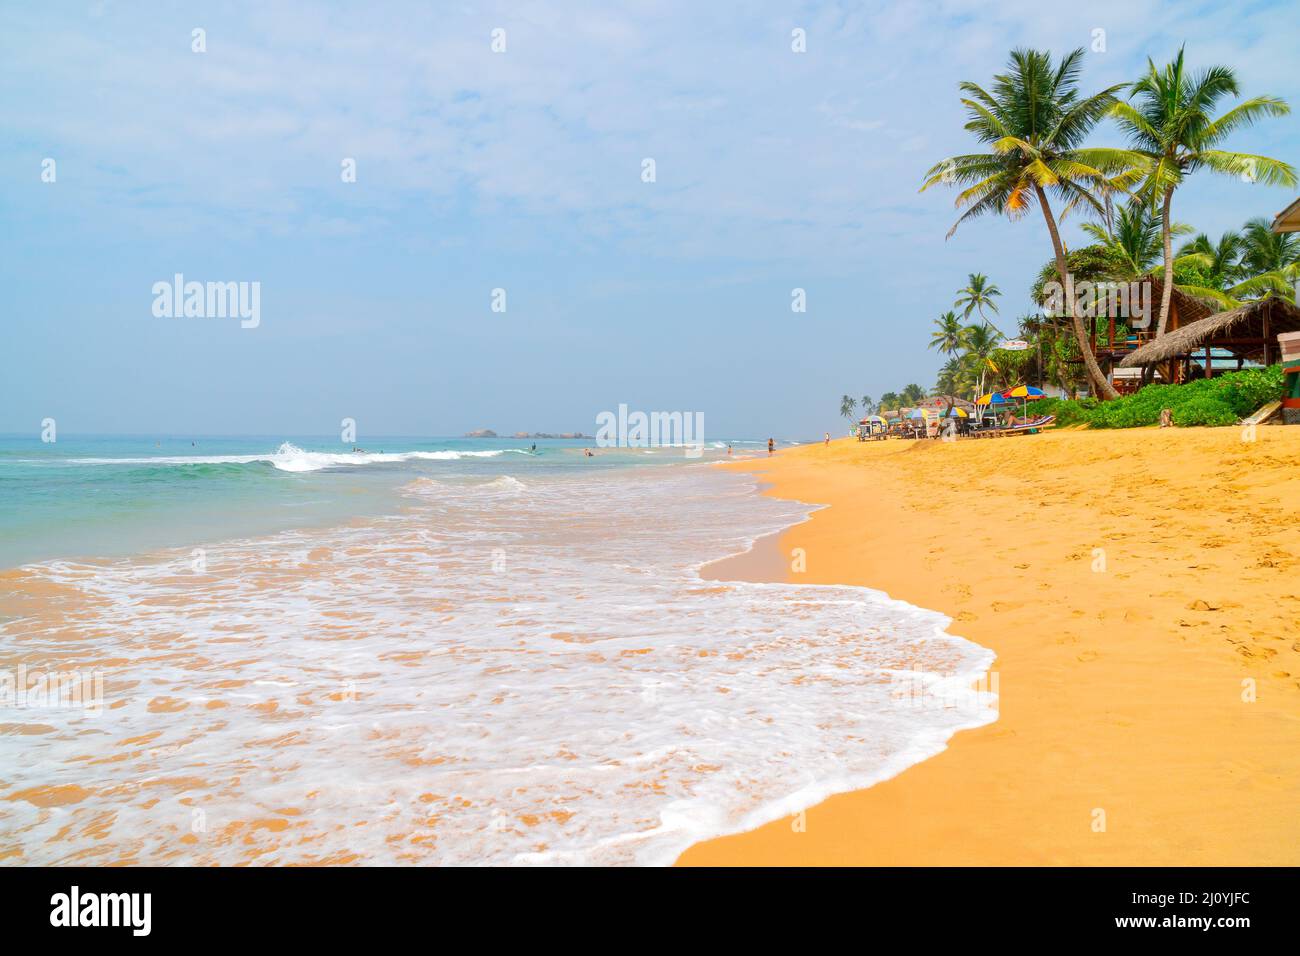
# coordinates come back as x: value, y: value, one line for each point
x: 992, y: 398
x: 1024, y: 393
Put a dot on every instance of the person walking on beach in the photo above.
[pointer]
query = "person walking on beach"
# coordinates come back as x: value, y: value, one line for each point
x: 771, y: 446
x: 828, y: 439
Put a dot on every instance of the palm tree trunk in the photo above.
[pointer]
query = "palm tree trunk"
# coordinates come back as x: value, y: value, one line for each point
x: 988, y: 323
x: 1167, y: 287
x: 1098, y: 380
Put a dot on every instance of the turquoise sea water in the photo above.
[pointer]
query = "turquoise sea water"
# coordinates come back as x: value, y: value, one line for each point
x: 109, y: 496
x: 446, y: 651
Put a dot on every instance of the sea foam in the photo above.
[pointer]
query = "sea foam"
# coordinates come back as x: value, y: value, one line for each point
x: 493, y: 675
x: 289, y: 457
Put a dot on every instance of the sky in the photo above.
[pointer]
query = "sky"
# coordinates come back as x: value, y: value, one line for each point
x: 524, y: 170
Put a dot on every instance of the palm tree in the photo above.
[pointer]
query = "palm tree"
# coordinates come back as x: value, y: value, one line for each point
x: 1132, y: 243
x: 949, y: 336
x: 949, y: 379
x: 1265, y: 252
x: 888, y: 402
x: 1034, y: 123
x: 912, y: 394
x: 1242, y: 265
x: 867, y: 405
x: 978, y: 294
x: 980, y: 344
x: 847, y: 404
x: 1219, y: 261
x: 1172, y: 127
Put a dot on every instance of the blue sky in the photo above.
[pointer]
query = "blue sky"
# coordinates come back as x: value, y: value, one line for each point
x: 522, y: 170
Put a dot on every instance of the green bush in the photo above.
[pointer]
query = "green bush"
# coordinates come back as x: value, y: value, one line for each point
x: 1221, y: 400
x: 1205, y: 410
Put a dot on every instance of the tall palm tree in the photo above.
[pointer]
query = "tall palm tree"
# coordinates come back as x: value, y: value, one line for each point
x: 1034, y: 123
x: 950, y: 335
x: 867, y: 405
x: 888, y: 402
x: 978, y: 295
x: 1173, y: 127
x: 847, y: 404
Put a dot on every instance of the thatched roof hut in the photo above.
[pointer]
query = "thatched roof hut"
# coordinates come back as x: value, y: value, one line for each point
x: 1248, y: 331
x: 1186, y: 308
x: 1143, y: 299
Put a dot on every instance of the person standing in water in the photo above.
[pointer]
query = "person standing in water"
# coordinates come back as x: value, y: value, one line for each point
x: 771, y: 446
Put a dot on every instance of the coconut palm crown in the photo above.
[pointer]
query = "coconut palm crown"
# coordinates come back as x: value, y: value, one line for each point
x: 1170, y: 121
x: 1035, y: 122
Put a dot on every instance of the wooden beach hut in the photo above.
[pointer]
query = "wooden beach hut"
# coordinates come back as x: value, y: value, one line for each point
x: 1113, y: 345
x: 1224, y: 341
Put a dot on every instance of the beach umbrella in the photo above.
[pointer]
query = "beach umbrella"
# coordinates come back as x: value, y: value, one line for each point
x: 1025, y: 393
x: 992, y: 398
x: 956, y: 412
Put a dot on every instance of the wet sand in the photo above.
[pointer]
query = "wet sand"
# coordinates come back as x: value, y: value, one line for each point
x: 1140, y: 590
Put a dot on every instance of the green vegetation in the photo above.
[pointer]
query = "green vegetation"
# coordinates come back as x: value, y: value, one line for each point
x: 1169, y: 122
x: 1033, y: 124
x: 1221, y: 400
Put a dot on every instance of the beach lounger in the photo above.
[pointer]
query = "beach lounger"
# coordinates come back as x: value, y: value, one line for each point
x: 1022, y: 428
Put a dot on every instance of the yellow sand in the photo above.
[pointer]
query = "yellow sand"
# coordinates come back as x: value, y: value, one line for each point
x: 1121, y: 688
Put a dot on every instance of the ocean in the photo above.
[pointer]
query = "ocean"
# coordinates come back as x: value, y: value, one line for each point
x: 441, y: 651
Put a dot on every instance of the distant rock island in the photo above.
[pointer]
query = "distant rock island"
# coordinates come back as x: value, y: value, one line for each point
x: 489, y: 433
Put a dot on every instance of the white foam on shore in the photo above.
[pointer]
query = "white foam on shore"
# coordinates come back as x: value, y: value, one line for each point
x: 491, y: 677
x: 289, y: 457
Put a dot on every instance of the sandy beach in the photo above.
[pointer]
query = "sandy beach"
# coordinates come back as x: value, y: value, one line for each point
x: 1138, y: 588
